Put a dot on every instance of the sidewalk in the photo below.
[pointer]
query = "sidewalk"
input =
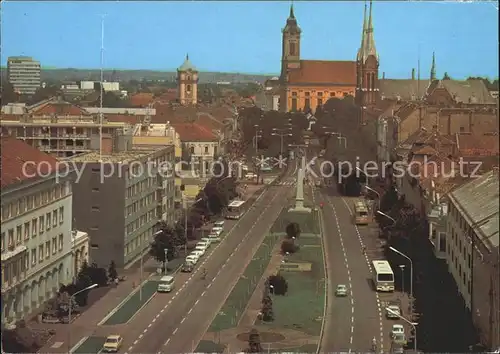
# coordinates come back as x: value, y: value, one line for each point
x: 85, y: 324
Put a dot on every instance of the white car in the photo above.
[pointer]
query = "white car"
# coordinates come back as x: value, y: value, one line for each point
x: 191, y: 258
x: 204, y: 244
x: 197, y: 253
x: 216, y: 231
x: 206, y: 240
x: 200, y: 248
x: 398, y: 334
x: 250, y: 175
x: 397, y: 329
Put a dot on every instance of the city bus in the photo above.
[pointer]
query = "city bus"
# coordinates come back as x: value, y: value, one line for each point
x: 361, y: 213
x: 236, y: 209
x: 383, y: 276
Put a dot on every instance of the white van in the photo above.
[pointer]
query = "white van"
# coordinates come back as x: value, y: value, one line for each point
x: 166, y: 284
x: 219, y: 224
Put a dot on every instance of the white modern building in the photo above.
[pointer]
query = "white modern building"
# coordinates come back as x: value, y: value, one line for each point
x: 36, y: 218
x: 472, y: 252
x: 23, y: 73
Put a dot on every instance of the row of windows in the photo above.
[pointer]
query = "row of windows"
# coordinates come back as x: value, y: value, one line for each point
x: 139, y: 222
x: 34, y: 201
x: 326, y: 94
x: 31, y: 228
x: 458, y: 265
x: 138, y: 242
x: 138, y: 205
x: 141, y: 186
x: 15, y: 271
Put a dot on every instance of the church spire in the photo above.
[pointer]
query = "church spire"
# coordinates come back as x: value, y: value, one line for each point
x: 370, y: 41
x: 292, y: 15
x: 363, y: 36
x: 433, y: 67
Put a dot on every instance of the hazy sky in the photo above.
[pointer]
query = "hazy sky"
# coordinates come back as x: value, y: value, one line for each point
x: 246, y: 36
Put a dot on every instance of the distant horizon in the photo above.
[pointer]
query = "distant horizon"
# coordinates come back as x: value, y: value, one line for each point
x: 224, y: 37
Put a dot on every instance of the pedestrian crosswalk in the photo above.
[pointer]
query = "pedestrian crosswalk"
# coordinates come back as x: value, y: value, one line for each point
x: 287, y: 183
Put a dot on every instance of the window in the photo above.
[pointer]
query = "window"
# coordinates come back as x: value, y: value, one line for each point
x: 320, y: 101
x: 294, y: 93
x: 54, y: 218
x: 29, y: 202
x: 54, y: 245
x: 188, y: 88
x: 40, y: 254
x: 307, y: 104
x: 294, y: 105
x: 320, y: 94
x: 34, y: 227
x: 94, y: 246
x: 308, y: 94
x: 191, y: 149
x: 95, y: 208
x: 206, y: 149
x: 442, y: 242
x: 33, y: 256
x: 345, y: 94
x: 27, y: 229
x: 97, y: 190
x: 61, y: 215
x: 47, y: 220
x: 96, y: 170
x: 26, y: 261
x: 293, y: 48
x: 42, y: 224
x: 19, y: 234
x: 3, y: 241
x: 60, y: 242
x: 11, y: 238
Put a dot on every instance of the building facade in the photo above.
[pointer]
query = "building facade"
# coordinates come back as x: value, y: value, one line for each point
x: 23, y: 73
x: 36, y: 219
x: 473, y: 252
x: 307, y: 84
x: 61, y: 129
x: 187, y: 80
x: 119, y: 201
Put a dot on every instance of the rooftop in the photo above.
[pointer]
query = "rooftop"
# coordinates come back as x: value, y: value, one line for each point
x: 324, y: 72
x: 478, y: 202
x: 21, y: 162
x: 116, y: 157
x: 189, y: 132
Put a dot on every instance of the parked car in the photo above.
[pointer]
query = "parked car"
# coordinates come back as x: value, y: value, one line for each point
x: 187, y: 267
x: 201, y: 249
x: 393, y: 311
x: 193, y: 259
x: 341, y: 290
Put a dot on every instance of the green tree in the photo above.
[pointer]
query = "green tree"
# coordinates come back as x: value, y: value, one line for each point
x: 293, y: 230
x: 8, y: 93
x: 254, y: 345
x: 163, y: 241
x: 267, y: 309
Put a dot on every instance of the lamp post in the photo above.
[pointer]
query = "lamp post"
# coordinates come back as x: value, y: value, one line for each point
x: 256, y: 138
x: 69, y: 311
x: 387, y: 216
x: 411, y: 273
x: 271, y: 288
x: 166, y: 260
x: 402, y: 267
x: 374, y: 191
x: 412, y: 324
x: 281, y: 133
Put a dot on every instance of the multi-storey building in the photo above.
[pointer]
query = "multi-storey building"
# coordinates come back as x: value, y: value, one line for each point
x: 36, y: 229
x: 118, y: 199
x: 23, y: 73
x: 61, y: 129
x: 472, y: 252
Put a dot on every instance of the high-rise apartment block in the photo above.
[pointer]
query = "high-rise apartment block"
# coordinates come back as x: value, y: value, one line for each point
x: 23, y: 73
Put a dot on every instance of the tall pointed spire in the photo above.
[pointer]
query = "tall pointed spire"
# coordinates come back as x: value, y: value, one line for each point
x: 433, y: 67
x: 370, y: 41
x: 363, y: 36
x: 187, y: 56
x: 292, y: 15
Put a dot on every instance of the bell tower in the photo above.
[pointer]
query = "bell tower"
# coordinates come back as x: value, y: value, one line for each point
x: 290, y: 56
x: 187, y: 82
x: 367, y: 64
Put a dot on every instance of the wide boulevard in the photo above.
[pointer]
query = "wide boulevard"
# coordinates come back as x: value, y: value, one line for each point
x: 175, y: 322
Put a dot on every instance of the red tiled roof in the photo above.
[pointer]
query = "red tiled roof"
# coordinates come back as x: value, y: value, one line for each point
x: 16, y: 154
x: 193, y: 132
x: 324, y: 72
x: 478, y: 145
x: 141, y: 99
x: 60, y: 108
x: 125, y: 118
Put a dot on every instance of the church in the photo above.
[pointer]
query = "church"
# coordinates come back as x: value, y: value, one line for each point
x: 307, y: 84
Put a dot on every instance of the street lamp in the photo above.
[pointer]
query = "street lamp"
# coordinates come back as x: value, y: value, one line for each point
x: 402, y: 267
x: 374, y: 191
x: 271, y: 288
x: 411, y: 273
x: 281, y: 133
x: 412, y: 324
x: 256, y: 138
x: 387, y: 216
x: 69, y: 311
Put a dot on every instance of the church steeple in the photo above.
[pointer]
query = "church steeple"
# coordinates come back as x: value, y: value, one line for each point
x: 363, y: 36
x: 433, y: 67
x: 370, y: 40
x: 292, y: 15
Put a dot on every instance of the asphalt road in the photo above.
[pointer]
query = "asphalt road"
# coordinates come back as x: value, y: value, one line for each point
x: 352, y: 321
x: 175, y: 322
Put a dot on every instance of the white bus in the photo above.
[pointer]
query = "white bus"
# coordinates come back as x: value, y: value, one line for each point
x: 383, y: 276
x: 236, y: 209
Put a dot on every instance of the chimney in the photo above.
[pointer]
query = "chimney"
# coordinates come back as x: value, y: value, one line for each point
x: 383, y: 75
x: 413, y: 74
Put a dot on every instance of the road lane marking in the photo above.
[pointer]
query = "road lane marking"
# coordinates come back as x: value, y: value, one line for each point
x: 191, y: 309
x: 260, y: 215
x: 182, y: 321
x: 203, y: 293
x: 141, y: 335
x: 196, y: 303
x: 149, y: 326
x: 135, y: 342
x: 175, y: 330
x: 209, y: 285
x: 154, y: 320
x: 377, y: 297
